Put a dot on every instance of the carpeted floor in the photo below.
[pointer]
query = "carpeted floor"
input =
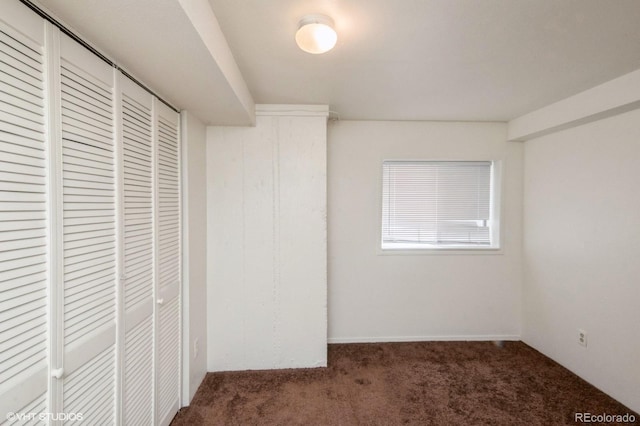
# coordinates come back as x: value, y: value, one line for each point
x: 426, y: 383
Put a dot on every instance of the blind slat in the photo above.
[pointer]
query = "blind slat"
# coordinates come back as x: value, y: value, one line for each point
x: 436, y: 203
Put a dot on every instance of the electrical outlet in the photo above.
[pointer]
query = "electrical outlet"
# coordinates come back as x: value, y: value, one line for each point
x: 196, y: 347
x: 582, y: 337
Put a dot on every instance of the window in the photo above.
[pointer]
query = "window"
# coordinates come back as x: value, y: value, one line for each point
x: 440, y: 205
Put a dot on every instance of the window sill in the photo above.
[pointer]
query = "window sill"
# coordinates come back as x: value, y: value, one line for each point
x: 456, y: 251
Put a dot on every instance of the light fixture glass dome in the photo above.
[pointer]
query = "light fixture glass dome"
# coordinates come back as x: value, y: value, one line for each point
x: 316, y: 34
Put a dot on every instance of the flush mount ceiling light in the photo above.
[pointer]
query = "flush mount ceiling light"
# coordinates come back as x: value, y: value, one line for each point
x: 316, y: 34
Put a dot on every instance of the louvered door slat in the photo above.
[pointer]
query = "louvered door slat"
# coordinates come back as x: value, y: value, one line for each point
x: 137, y: 214
x: 27, y: 75
x: 139, y: 236
x: 79, y: 132
x: 21, y: 48
x: 19, y: 325
x: 137, y: 253
x: 12, y: 91
x: 22, y: 140
x: 81, y: 86
x: 90, y: 184
x: 91, y: 85
x: 9, y: 107
x: 97, y: 126
x: 16, y: 60
x: 139, y: 160
x: 136, y: 144
x: 23, y: 227
x: 89, y: 233
x: 22, y: 103
x: 141, y: 163
x: 134, y: 122
x: 168, y: 258
x: 89, y: 390
x: 73, y: 107
x: 34, y: 188
x: 138, y: 359
x: 20, y: 263
x: 93, y: 252
x: 87, y: 149
x: 25, y: 148
x: 22, y: 170
x: 21, y: 83
x: 27, y: 251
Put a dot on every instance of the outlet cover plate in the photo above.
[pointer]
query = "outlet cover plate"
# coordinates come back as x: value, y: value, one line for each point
x: 582, y: 337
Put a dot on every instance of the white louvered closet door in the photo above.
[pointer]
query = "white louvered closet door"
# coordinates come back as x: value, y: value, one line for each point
x: 23, y: 216
x: 168, y: 264
x: 89, y: 234
x: 138, y: 273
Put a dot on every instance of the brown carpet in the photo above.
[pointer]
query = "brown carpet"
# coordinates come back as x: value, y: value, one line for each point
x: 426, y: 383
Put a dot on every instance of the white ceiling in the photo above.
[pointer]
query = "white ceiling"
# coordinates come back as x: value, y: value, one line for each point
x: 490, y: 60
x: 433, y: 59
x: 155, y: 41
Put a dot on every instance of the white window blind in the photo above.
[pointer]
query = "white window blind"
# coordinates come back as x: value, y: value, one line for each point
x: 437, y: 204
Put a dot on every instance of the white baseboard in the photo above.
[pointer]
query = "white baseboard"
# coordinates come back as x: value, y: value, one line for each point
x: 454, y: 338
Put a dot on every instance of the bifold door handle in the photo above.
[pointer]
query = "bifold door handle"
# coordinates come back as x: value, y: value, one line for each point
x: 160, y: 301
x: 57, y: 373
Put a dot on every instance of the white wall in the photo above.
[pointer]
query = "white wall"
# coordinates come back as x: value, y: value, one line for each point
x: 194, y: 221
x: 374, y: 297
x: 582, y: 251
x: 266, y: 195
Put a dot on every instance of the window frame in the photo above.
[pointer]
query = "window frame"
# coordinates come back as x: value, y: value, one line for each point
x: 496, y: 246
